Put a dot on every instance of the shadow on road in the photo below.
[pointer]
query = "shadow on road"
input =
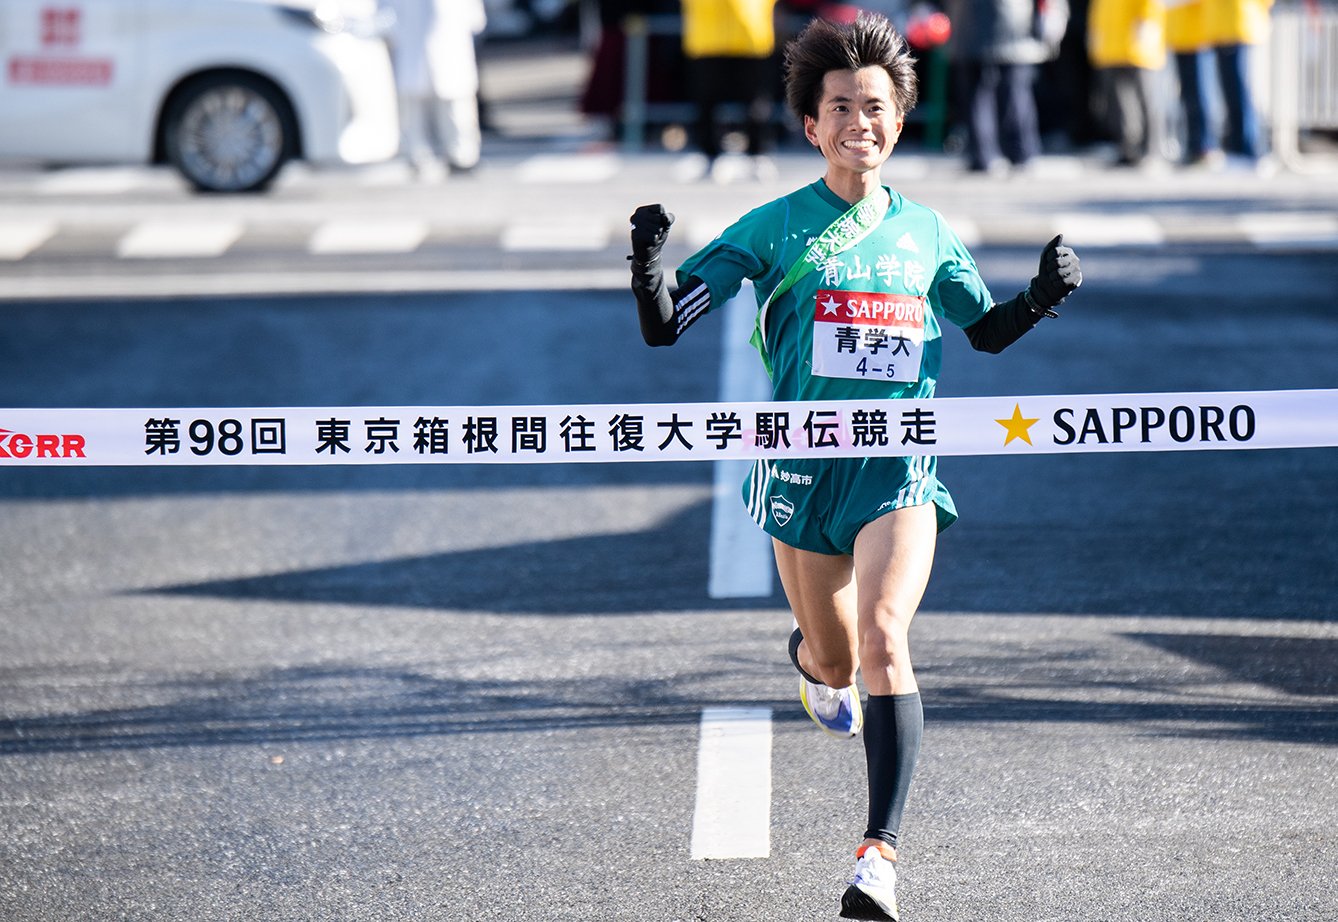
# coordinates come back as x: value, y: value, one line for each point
x: 1097, y: 558
x: 347, y: 703
x: 661, y: 569
x: 1294, y: 665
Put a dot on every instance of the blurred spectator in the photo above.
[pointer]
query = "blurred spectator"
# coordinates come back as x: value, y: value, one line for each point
x: 603, y: 93
x: 1066, y: 87
x: 996, y: 47
x: 730, y: 49
x: 1234, y: 27
x: 927, y: 28
x: 436, y: 74
x: 834, y: 10
x: 841, y: 12
x: 1127, y: 43
x: 1187, y: 38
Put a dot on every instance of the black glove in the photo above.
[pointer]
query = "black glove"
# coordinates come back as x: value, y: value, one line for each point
x: 1059, y: 276
x: 650, y: 229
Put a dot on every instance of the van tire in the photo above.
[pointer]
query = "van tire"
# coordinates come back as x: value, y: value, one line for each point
x: 229, y: 132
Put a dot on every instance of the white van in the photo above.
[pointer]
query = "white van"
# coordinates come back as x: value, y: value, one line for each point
x: 225, y: 90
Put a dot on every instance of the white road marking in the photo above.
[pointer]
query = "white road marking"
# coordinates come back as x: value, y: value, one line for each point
x: 966, y: 229
x: 702, y: 229
x: 690, y: 168
x: 334, y: 237
x: 19, y: 238
x: 169, y: 239
x: 526, y: 237
x: 215, y: 284
x: 1050, y: 168
x: 741, y: 561
x: 1092, y: 229
x: 905, y: 169
x: 732, y: 817
x: 1277, y: 230
x: 569, y: 168
x: 93, y: 180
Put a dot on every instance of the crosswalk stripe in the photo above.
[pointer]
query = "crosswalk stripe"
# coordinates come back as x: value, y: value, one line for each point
x: 967, y: 230
x: 1276, y: 229
x: 306, y: 281
x: 167, y: 239
x: 564, y: 237
x: 1091, y: 229
x: 92, y: 181
x: 18, y: 239
x: 1269, y: 231
x: 702, y: 229
x: 339, y: 237
x: 732, y: 815
x: 569, y: 168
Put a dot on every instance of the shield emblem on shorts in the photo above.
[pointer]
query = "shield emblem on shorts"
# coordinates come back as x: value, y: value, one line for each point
x: 781, y: 509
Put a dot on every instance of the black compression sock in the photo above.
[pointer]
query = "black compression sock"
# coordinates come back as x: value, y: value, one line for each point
x: 795, y: 639
x: 893, y: 725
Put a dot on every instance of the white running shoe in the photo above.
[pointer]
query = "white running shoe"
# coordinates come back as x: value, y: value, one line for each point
x: 836, y: 710
x: 872, y: 894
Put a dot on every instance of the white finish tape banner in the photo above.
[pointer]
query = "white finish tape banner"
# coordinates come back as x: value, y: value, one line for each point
x: 165, y: 437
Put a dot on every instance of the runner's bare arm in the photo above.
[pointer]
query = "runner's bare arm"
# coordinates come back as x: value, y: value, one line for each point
x: 1059, y: 276
x: 664, y: 315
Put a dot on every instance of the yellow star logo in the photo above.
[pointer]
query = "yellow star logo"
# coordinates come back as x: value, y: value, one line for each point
x: 1017, y: 426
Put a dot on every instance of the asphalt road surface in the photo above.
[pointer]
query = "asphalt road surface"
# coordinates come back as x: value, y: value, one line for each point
x: 474, y: 693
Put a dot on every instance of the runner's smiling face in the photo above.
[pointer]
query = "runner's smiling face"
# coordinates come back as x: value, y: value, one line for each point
x: 858, y: 123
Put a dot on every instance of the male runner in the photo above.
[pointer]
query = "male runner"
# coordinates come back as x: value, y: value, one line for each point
x: 854, y: 283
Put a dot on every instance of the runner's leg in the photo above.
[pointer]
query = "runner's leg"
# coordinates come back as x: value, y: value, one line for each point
x: 823, y: 599
x: 893, y: 558
x: 821, y: 593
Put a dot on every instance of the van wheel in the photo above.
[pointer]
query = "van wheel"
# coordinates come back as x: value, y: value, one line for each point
x: 229, y: 132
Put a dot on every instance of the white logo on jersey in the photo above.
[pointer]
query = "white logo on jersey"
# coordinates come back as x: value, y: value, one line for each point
x: 906, y: 243
x: 781, y: 509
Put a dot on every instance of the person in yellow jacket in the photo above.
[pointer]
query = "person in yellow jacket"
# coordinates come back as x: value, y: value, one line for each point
x: 1126, y: 43
x: 1233, y: 28
x: 1217, y: 34
x: 1187, y: 38
x: 729, y: 46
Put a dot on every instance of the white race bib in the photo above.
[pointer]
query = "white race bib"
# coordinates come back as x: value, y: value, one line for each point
x: 868, y: 336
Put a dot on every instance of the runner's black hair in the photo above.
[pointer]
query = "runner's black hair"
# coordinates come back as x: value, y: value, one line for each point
x: 825, y: 46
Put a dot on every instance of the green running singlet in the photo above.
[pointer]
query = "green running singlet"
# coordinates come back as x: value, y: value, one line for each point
x: 863, y: 324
